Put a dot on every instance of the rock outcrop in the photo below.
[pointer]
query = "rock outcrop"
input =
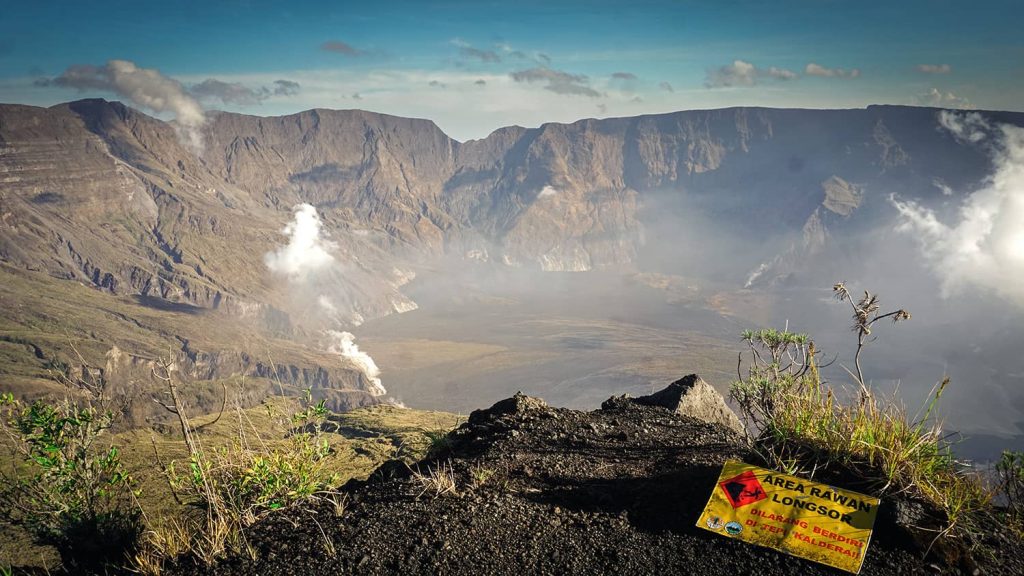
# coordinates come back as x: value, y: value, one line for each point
x: 532, y: 489
x: 692, y: 396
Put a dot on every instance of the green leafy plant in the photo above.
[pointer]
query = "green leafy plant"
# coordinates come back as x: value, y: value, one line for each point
x: 237, y: 485
x: 480, y: 475
x: 69, y: 489
x: 1010, y: 475
x: 438, y: 442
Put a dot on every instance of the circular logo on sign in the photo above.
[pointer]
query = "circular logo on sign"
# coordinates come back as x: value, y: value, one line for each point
x: 733, y: 528
x: 715, y: 523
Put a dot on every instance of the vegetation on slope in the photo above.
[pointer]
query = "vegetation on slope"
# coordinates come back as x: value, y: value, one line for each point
x: 801, y: 424
x: 152, y: 495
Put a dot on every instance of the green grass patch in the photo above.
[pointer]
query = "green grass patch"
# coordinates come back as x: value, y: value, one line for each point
x: 800, y: 424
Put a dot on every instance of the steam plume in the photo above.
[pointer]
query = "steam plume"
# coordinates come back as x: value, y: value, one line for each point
x: 144, y: 87
x: 306, y: 251
x: 985, y: 249
x: 344, y: 345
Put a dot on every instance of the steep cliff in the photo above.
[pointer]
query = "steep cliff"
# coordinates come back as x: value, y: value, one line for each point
x: 99, y: 194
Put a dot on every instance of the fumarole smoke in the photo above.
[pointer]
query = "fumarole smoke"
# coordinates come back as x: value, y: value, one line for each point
x: 307, y: 253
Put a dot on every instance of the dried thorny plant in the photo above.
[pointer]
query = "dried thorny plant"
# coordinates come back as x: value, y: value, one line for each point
x: 865, y: 315
x: 1010, y: 476
x: 780, y: 361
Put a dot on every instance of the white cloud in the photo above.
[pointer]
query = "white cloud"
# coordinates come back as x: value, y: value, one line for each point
x: 306, y: 251
x: 934, y: 68
x: 781, y: 73
x: 939, y: 99
x: 971, y: 128
x: 742, y: 73
x: 984, y: 248
x: 813, y: 69
x: 942, y: 186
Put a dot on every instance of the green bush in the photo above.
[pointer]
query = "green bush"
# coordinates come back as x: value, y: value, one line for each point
x: 247, y: 482
x: 236, y: 486
x: 1010, y: 472
x: 67, y: 488
x: 800, y: 424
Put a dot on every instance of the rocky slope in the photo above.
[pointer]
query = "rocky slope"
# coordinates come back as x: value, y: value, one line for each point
x: 542, y: 490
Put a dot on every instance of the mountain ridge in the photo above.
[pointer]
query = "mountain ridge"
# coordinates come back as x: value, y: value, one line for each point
x: 97, y: 193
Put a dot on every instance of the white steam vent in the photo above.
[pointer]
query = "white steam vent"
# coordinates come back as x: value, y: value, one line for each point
x: 343, y: 344
x: 547, y: 192
x: 306, y: 251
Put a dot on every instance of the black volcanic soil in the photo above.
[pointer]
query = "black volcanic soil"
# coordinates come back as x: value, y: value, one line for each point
x: 612, y: 491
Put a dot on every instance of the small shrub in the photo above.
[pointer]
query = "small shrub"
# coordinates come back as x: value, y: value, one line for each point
x: 1010, y: 475
x: 234, y: 487
x: 800, y: 424
x: 71, y: 491
x: 438, y: 442
x: 480, y: 475
x: 248, y: 483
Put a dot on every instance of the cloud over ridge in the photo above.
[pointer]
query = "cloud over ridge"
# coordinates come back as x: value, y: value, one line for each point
x: 743, y: 73
x: 143, y: 87
x: 557, y: 81
x: 984, y: 248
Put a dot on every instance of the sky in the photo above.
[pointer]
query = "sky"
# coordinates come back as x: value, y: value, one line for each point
x: 473, y: 67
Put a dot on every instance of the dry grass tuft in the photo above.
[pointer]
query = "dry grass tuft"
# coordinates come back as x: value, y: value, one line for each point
x: 438, y: 480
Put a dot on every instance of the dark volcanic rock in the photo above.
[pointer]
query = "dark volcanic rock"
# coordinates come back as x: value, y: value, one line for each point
x: 517, y: 405
x: 542, y: 490
x: 692, y: 396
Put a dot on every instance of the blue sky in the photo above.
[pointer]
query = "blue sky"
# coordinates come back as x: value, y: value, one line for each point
x: 475, y: 66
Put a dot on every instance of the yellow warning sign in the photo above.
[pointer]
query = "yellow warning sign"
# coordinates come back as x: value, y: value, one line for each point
x: 803, y: 518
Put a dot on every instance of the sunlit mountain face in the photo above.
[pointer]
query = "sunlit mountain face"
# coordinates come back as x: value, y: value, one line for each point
x: 442, y: 204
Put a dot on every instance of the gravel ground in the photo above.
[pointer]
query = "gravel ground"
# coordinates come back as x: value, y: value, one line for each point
x: 541, y: 490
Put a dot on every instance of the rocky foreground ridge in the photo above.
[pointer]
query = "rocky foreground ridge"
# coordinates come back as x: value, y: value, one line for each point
x: 543, y: 490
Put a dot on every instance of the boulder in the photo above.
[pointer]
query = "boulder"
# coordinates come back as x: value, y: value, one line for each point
x: 517, y: 405
x: 692, y: 396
